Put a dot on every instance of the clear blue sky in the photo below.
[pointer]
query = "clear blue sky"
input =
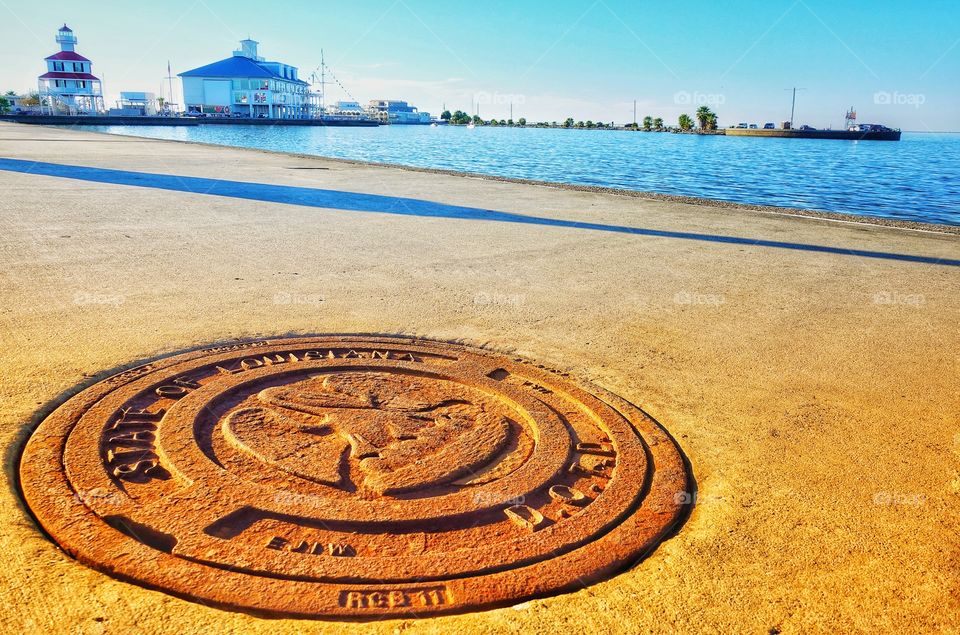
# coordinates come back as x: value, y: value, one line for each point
x: 897, y: 62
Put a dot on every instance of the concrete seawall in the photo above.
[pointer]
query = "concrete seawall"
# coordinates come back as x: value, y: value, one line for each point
x: 890, y: 135
x: 807, y: 367
x: 90, y: 120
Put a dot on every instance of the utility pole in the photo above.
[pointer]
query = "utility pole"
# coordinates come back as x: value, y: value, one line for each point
x: 634, y: 112
x: 323, y: 84
x: 511, y: 111
x: 169, y: 84
x: 793, y: 105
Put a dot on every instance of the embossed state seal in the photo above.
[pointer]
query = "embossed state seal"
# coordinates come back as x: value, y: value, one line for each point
x: 353, y: 476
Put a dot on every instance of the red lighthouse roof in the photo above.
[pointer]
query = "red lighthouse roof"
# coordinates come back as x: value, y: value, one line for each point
x: 67, y: 56
x: 63, y: 75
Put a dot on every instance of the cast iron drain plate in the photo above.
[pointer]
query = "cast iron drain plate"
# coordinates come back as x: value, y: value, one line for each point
x: 353, y: 476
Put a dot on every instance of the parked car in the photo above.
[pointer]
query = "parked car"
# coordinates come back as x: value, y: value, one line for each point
x: 806, y: 127
x: 743, y: 125
x: 768, y: 126
x: 753, y: 126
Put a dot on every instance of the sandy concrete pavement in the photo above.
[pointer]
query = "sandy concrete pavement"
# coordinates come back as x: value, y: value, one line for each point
x: 815, y: 394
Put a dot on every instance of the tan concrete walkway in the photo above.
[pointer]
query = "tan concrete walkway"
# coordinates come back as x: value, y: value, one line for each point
x: 815, y: 394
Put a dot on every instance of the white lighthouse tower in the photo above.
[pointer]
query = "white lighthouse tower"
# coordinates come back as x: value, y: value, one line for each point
x: 69, y: 86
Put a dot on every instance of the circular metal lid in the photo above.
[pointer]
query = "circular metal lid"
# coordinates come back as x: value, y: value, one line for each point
x: 353, y: 476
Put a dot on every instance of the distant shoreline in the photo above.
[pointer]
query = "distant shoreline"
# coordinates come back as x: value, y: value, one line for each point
x: 136, y: 121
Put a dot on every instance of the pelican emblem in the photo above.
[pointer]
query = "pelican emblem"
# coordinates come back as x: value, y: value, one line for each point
x: 379, y: 433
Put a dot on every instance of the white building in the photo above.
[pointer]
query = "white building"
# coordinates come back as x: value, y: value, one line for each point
x: 248, y: 85
x: 348, y: 108
x: 135, y: 104
x: 68, y: 86
x: 397, y: 112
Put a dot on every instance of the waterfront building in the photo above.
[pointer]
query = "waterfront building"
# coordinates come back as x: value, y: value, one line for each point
x: 69, y: 86
x: 397, y: 112
x: 348, y: 108
x: 135, y: 104
x: 13, y: 102
x: 248, y: 85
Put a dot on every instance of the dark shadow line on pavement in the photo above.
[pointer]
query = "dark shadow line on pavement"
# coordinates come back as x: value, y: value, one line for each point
x: 358, y: 202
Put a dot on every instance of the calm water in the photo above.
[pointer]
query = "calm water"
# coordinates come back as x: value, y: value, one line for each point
x: 917, y: 178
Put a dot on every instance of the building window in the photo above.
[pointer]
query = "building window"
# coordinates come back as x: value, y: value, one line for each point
x: 82, y: 84
x: 240, y: 98
x: 58, y: 66
x: 77, y: 68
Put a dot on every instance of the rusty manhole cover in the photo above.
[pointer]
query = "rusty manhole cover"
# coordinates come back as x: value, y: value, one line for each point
x: 352, y: 476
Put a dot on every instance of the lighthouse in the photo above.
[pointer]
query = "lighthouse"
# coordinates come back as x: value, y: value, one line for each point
x: 69, y: 86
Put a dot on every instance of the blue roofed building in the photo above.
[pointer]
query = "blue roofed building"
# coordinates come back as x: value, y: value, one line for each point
x: 248, y: 85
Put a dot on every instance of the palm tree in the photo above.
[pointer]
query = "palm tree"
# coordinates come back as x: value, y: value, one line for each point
x: 658, y: 123
x: 647, y: 123
x: 703, y: 116
x: 685, y: 121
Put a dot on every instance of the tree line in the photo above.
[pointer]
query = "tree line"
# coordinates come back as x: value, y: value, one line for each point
x: 706, y: 118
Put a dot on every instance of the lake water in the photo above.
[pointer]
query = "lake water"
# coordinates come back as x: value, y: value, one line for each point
x: 917, y: 178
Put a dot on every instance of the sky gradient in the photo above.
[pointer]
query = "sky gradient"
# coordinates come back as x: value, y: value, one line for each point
x: 897, y: 63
